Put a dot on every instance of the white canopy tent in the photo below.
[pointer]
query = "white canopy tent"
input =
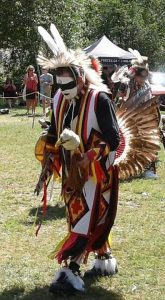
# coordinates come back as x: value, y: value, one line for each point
x: 109, y: 53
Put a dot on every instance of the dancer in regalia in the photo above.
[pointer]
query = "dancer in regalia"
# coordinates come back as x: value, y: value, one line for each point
x: 82, y: 140
x: 134, y: 90
x: 81, y: 145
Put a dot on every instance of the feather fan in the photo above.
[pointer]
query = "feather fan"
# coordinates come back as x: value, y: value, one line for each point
x: 140, y: 137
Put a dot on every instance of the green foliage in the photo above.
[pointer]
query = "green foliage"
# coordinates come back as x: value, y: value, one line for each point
x: 137, y: 24
x: 18, y: 35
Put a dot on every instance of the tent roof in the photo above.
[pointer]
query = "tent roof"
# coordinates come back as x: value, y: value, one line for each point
x: 108, y: 52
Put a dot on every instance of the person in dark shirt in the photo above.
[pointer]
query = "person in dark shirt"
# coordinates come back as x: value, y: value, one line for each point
x: 9, y: 91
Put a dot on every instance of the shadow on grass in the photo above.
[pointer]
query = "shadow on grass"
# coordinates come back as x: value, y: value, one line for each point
x: 25, y: 115
x: 52, y: 212
x: 92, y: 293
x: 130, y: 179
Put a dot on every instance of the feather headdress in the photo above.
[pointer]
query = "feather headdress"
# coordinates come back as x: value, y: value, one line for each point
x: 124, y: 74
x: 64, y: 57
x: 138, y: 61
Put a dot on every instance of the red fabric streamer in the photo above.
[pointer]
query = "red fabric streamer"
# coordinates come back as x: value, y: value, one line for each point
x: 44, y: 200
x: 38, y: 228
x: 69, y: 244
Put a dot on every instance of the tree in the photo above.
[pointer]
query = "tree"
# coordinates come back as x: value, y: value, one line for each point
x: 19, y: 21
x: 18, y: 35
x: 136, y: 24
x: 139, y: 24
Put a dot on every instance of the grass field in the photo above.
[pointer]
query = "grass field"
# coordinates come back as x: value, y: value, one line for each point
x: 26, y: 271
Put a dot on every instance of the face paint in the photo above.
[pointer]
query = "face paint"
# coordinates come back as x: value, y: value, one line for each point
x: 68, y: 86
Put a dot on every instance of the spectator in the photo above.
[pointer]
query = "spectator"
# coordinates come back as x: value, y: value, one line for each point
x: 30, y: 82
x: 9, y: 91
x: 46, y: 82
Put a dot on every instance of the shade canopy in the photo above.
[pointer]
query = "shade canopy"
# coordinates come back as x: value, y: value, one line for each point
x: 109, y: 53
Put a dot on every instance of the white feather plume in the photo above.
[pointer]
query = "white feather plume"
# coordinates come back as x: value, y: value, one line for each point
x: 137, y: 55
x: 57, y: 38
x: 48, y: 39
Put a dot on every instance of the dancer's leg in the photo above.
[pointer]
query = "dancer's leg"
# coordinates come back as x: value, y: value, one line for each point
x: 104, y: 263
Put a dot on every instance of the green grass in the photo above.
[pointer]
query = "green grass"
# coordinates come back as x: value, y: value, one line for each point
x: 26, y: 271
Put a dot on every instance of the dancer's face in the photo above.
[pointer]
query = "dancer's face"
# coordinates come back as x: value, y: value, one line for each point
x: 68, y: 85
x: 140, y: 79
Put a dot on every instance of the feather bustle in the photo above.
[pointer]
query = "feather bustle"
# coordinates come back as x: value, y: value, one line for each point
x: 139, y: 126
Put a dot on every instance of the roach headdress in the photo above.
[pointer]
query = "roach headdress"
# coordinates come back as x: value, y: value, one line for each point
x: 64, y: 57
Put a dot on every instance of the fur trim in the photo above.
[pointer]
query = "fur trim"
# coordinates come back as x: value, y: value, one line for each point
x: 108, y: 266
x: 74, y: 280
x: 68, y: 139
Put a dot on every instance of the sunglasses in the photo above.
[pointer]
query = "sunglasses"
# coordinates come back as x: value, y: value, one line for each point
x: 67, y: 86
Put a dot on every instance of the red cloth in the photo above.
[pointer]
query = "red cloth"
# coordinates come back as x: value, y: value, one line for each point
x: 31, y: 84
